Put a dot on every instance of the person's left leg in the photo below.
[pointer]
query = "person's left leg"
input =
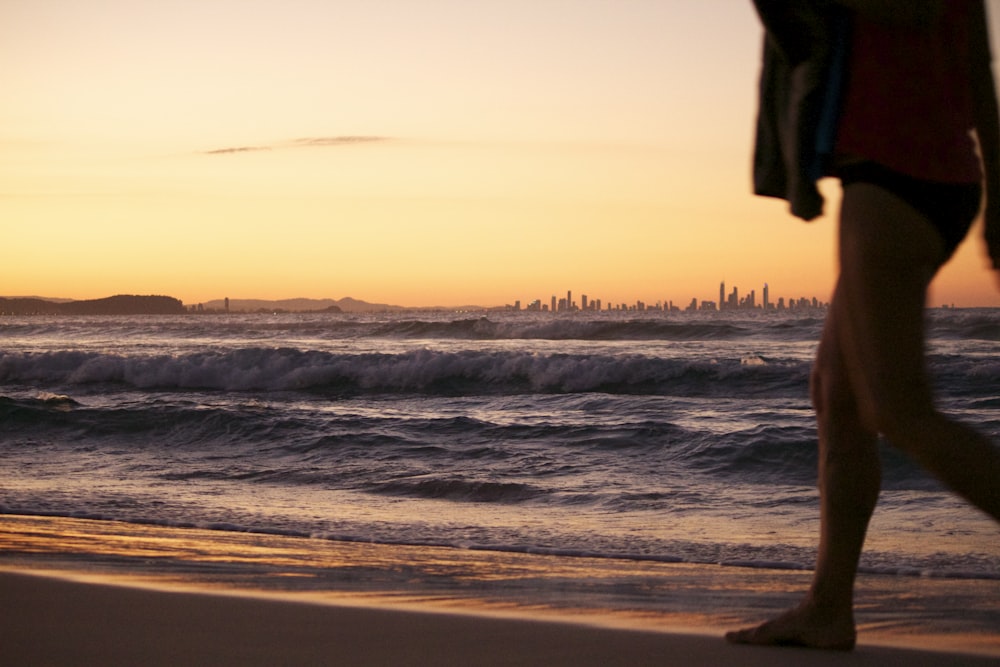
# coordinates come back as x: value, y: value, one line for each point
x: 849, y: 480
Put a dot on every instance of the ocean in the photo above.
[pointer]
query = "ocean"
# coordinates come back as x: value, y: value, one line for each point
x: 644, y: 437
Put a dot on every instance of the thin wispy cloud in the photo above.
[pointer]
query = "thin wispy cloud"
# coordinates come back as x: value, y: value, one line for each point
x: 339, y: 141
x: 304, y: 142
x: 237, y: 149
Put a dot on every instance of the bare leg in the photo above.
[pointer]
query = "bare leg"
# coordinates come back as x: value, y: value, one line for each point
x: 849, y: 479
x: 869, y: 377
x: 889, y: 254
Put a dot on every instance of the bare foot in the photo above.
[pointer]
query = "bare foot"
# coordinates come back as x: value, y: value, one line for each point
x: 799, y: 627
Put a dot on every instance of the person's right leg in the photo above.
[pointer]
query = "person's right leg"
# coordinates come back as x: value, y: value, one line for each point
x: 889, y: 253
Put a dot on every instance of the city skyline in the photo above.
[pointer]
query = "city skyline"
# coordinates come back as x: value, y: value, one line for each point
x: 727, y: 301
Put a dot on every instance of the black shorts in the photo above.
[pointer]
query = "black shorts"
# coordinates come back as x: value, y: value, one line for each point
x: 950, y: 207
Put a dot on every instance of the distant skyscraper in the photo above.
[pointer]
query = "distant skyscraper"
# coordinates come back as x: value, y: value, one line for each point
x: 767, y: 298
x: 722, y: 295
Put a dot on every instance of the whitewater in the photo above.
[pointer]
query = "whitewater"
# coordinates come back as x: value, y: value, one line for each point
x: 670, y: 437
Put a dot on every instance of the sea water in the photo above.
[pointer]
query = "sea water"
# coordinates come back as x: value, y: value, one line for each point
x: 673, y: 437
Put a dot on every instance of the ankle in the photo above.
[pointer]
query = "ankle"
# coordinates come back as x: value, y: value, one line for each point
x: 827, y: 610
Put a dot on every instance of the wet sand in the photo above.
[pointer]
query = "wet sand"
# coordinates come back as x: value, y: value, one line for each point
x: 81, y: 591
x: 55, y: 621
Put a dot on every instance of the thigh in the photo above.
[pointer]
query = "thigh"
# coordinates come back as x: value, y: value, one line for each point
x: 950, y: 207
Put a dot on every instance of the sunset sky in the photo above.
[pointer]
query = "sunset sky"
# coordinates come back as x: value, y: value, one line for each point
x: 414, y: 152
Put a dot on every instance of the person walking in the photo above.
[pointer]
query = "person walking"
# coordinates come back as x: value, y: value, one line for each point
x: 897, y: 99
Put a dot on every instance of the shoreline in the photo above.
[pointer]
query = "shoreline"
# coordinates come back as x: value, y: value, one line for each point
x: 58, y: 621
x: 69, y: 569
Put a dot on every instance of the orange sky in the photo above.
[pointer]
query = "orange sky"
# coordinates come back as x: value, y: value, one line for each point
x: 417, y: 153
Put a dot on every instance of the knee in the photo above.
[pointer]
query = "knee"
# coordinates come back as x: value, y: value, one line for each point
x: 817, y: 392
x: 833, y: 398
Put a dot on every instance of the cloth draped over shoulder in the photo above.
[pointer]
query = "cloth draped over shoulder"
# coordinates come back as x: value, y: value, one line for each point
x: 804, y: 54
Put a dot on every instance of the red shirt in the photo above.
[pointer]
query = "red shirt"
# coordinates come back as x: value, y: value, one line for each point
x: 908, y: 102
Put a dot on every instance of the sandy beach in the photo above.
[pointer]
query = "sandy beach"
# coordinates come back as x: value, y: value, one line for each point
x: 53, y: 621
x: 86, y: 592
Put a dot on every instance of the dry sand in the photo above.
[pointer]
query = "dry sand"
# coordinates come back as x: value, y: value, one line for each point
x: 52, y: 621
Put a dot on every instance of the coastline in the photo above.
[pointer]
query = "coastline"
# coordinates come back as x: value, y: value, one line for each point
x: 62, y: 622
x: 78, y: 591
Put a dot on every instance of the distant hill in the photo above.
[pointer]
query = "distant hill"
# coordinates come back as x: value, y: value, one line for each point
x: 39, y: 298
x: 127, y: 304
x: 122, y: 304
x: 346, y: 305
